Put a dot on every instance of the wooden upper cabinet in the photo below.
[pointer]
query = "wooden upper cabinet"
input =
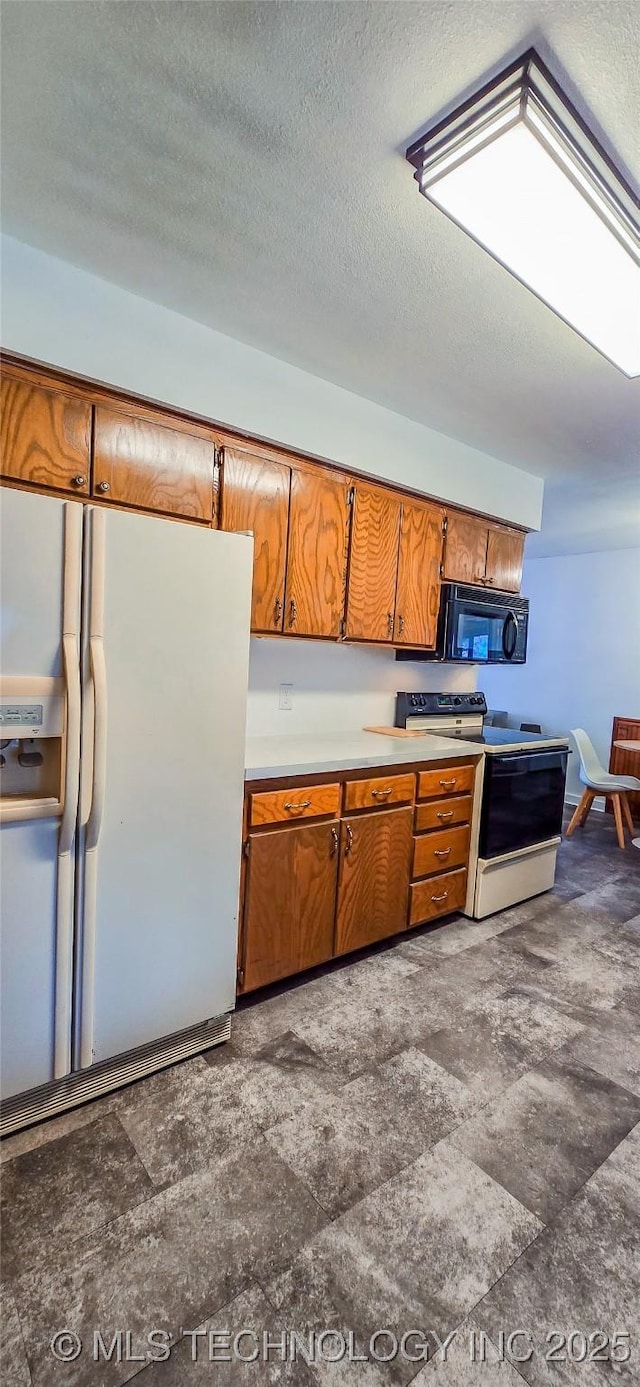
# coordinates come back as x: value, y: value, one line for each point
x: 375, y: 867
x: 316, y: 559
x: 139, y: 462
x: 290, y: 902
x: 465, y: 552
x: 418, y: 592
x: 373, y: 564
x: 255, y: 496
x: 46, y: 436
x: 479, y: 551
x: 505, y: 553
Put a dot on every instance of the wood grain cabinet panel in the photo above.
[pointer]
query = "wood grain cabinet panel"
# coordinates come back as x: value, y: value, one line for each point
x: 444, y: 813
x: 373, y: 889
x: 437, y: 896
x: 46, y: 436
x: 418, y: 591
x: 446, y: 780
x: 373, y: 564
x: 287, y: 806
x: 289, y: 902
x: 379, y: 792
x: 505, y: 554
x: 434, y: 852
x: 255, y: 496
x: 138, y: 462
x: 465, y: 552
x: 316, y: 559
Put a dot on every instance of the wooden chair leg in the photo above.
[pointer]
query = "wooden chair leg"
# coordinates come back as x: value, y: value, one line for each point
x: 582, y: 809
x: 617, y: 814
x: 590, y: 796
x: 626, y: 809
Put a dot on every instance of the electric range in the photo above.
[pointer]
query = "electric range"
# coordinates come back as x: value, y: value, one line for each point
x: 520, y: 814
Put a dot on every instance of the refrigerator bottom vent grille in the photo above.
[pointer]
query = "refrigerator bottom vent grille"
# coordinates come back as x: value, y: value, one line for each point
x: 87, y: 1084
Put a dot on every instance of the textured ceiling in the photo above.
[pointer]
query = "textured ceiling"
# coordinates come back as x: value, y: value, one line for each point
x: 242, y: 163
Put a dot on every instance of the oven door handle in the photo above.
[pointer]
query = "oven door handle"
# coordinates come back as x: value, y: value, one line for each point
x: 509, y: 644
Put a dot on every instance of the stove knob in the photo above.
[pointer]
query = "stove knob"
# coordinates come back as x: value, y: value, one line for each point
x: 457, y: 700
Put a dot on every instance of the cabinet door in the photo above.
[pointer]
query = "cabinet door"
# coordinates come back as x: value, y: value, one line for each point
x: 465, y: 553
x: 140, y: 463
x: 505, y: 552
x: 373, y: 564
x: 255, y: 496
x: 418, y: 593
x: 46, y: 436
x: 316, y: 560
x: 290, y: 902
x: 375, y: 865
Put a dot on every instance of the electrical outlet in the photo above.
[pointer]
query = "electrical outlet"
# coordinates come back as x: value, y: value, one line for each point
x: 285, y: 703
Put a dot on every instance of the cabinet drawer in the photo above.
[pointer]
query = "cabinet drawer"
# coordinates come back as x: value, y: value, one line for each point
x: 379, y: 793
x: 443, y: 813
x: 437, y: 896
x: 284, y: 806
x: 448, y: 780
x: 435, y: 851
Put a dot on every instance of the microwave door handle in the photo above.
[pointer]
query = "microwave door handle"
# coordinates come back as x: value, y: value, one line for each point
x: 509, y: 645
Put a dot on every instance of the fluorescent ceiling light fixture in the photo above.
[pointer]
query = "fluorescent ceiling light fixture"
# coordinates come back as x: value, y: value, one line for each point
x: 517, y: 168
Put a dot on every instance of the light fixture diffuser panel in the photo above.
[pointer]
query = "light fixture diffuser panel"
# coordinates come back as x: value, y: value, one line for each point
x: 540, y: 206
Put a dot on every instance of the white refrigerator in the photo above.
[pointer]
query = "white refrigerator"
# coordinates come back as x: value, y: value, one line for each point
x: 124, y: 647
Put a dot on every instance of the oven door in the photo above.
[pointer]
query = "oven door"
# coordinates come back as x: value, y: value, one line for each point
x: 483, y: 635
x: 522, y: 800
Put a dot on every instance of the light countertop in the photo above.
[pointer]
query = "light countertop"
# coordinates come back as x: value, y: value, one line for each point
x: 267, y: 758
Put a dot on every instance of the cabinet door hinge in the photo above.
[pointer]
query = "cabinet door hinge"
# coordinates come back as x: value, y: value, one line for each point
x: 445, y: 523
x: 343, y: 627
x: 442, y: 570
x: 246, y: 846
x: 351, y: 495
x: 240, y: 976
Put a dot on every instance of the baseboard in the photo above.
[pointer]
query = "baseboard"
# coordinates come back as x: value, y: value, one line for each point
x: 598, y: 803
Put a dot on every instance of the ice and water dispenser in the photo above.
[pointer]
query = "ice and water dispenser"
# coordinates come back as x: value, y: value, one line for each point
x: 32, y: 734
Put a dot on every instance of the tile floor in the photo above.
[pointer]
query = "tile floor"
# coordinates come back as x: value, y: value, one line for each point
x: 440, y: 1136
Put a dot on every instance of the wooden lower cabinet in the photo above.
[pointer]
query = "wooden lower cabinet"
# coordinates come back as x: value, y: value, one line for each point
x: 290, y: 902
x: 357, y: 871
x: 437, y: 896
x: 375, y: 866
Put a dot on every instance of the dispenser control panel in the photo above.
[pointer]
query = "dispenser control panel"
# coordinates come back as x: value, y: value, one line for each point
x: 20, y: 714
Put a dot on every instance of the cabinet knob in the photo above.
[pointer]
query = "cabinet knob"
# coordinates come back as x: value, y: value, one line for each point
x: 293, y: 612
x: 400, y: 625
x: 278, y: 610
x: 390, y: 624
x: 79, y: 480
x: 103, y: 486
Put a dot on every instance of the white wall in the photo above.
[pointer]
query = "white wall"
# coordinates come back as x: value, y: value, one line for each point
x: 61, y: 315
x: 335, y: 688
x: 583, y: 661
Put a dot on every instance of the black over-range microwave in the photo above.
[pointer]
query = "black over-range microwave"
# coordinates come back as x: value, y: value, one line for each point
x: 478, y: 627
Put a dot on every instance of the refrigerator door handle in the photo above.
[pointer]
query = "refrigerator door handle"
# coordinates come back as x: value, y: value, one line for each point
x: 98, y: 672
x: 98, y: 668
x: 64, y: 882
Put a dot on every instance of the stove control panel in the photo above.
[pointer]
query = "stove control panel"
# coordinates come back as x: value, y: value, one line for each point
x: 435, y: 705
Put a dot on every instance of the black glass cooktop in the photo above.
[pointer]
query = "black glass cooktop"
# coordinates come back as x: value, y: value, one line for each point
x: 499, y: 736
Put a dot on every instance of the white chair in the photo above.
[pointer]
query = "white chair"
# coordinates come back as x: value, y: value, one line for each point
x: 600, y: 782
